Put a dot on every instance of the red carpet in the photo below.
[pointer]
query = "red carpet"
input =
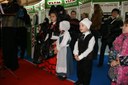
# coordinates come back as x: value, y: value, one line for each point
x: 28, y: 74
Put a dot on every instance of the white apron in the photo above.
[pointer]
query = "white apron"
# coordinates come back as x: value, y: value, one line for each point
x: 61, y: 66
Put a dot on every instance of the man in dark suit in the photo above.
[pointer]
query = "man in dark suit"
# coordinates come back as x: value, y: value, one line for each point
x: 74, y: 29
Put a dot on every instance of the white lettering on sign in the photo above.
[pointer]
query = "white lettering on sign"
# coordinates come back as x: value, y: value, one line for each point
x: 54, y: 3
x: 69, y: 1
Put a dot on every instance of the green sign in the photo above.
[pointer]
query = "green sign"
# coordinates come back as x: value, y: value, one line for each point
x: 65, y: 3
x: 49, y: 3
x: 105, y: 0
x: 70, y: 3
x: 84, y: 1
x: 124, y: 0
x: 30, y: 9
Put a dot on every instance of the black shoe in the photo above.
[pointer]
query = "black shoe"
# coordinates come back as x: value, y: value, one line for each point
x: 62, y: 77
x: 36, y: 62
x: 78, y: 83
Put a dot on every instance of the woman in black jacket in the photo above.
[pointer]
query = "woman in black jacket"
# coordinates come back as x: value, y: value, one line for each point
x: 111, y: 29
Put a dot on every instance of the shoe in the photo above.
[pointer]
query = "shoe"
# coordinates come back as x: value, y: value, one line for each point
x: 78, y: 83
x: 62, y: 77
x: 36, y: 62
x: 81, y: 84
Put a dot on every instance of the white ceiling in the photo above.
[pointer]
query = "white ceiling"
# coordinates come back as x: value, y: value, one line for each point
x: 22, y: 2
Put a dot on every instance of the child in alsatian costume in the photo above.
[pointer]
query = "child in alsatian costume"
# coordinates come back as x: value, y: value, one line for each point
x: 64, y: 66
x: 52, y: 35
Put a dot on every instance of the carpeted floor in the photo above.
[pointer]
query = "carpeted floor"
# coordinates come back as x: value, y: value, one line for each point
x: 28, y: 74
x: 100, y: 74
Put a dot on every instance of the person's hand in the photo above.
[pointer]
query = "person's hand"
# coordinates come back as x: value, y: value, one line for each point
x: 114, y: 63
x: 76, y: 57
x: 54, y: 43
x: 55, y: 51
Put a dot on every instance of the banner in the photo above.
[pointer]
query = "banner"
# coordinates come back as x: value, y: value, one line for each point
x: 70, y: 3
x: 49, y: 3
x: 65, y: 3
x: 30, y: 9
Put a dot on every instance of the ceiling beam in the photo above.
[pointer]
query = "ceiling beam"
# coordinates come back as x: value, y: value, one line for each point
x: 2, y: 1
x: 28, y: 2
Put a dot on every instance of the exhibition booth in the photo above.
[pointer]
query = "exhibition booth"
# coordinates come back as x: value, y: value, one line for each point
x: 80, y: 6
x: 42, y: 7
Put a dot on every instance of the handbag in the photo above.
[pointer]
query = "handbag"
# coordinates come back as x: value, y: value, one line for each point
x: 113, y: 72
x: 112, y: 56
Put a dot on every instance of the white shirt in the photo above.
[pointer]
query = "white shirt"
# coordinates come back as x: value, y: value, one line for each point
x: 88, y: 50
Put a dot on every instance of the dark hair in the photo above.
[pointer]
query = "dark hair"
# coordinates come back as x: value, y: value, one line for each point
x: 97, y: 7
x: 59, y: 9
x: 126, y: 21
x: 60, y: 12
x: 96, y: 17
x: 53, y: 10
x: 86, y: 14
x: 73, y: 11
x: 46, y: 20
x: 116, y: 10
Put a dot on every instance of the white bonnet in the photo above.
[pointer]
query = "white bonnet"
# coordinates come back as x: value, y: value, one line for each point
x: 86, y: 22
x: 64, y: 25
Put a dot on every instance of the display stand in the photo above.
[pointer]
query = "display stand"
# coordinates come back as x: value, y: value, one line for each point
x: 124, y: 9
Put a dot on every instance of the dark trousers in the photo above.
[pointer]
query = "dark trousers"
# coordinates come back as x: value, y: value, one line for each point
x: 102, y: 51
x: 37, y: 52
x: 9, y: 48
x: 96, y: 34
x: 84, y: 71
x: 22, y: 40
x: 74, y: 36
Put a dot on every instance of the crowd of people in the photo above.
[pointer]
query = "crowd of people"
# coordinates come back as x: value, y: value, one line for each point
x: 72, y: 39
x: 69, y: 45
x: 66, y: 39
